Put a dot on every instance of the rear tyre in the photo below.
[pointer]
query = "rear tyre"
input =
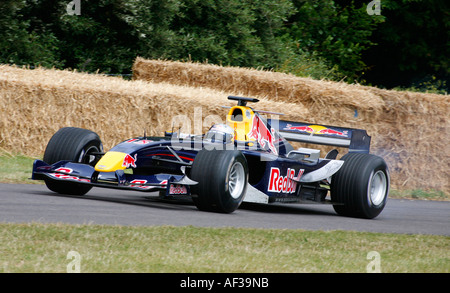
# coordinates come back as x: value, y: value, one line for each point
x: 75, y: 145
x: 361, y: 187
x: 222, y: 178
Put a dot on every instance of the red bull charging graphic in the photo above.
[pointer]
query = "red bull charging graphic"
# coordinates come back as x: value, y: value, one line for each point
x: 262, y: 134
x: 129, y: 161
x: 316, y: 129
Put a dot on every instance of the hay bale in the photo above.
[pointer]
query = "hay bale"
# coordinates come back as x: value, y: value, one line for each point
x: 34, y: 104
x: 411, y: 131
x: 251, y: 82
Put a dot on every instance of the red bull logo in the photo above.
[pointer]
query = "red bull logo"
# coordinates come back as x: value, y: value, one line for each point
x: 129, y: 161
x: 262, y: 134
x: 176, y: 189
x: 283, y: 184
x: 316, y: 129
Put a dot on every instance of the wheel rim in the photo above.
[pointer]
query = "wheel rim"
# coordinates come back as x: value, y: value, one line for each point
x: 87, y: 157
x: 377, y: 188
x: 236, y: 180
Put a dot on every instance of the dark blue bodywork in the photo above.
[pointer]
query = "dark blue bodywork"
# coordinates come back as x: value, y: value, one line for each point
x: 163, y: 163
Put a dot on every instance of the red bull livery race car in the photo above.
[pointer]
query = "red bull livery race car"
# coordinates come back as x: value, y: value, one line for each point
x: 246, y: 159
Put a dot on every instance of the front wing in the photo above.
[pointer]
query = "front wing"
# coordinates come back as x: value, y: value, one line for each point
x: 86, y: 174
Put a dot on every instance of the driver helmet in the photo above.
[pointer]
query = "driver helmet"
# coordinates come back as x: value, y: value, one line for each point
x: 220, y: 133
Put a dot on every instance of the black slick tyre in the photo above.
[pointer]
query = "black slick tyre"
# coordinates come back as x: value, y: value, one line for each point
x: 75, y: 145
x: 361, y: 187
x: 222, y: 177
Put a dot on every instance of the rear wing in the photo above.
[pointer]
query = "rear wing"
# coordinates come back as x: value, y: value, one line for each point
x: 356, y: 140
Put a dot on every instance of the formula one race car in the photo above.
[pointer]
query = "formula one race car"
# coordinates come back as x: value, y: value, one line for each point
x: 246, y: 159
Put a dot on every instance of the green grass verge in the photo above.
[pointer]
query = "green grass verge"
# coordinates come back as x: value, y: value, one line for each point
x: 15, y: 168
x: 167, y: 249
x: 45, y: 248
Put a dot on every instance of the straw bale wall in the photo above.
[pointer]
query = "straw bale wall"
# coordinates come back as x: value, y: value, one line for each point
x: 411, y: 131
x: 34, y: 104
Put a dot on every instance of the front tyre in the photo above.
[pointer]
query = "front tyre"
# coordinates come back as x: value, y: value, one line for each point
x: 361, y: 187
x: 222, y: 178
x: 75, y: 145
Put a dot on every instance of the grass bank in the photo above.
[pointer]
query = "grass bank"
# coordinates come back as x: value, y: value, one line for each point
x: 167, y: 249
x: 47, y: 248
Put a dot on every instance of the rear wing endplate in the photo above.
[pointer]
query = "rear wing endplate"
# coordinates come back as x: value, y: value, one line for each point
x: 356, y: 140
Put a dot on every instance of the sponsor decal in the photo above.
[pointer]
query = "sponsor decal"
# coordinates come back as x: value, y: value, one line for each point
x: 283, y: 184
x: 299, y: 128
x: 66, y: 176
x: 139, y: 183
x: 139, y: 141
x: 262, y: 134
x: 316, y: 129
x: 176, y: 189
x: 64, y: 170
x: 129, y: 161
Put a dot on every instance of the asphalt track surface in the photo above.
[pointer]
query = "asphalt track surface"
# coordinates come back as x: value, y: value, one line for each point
x: 26, y: 203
